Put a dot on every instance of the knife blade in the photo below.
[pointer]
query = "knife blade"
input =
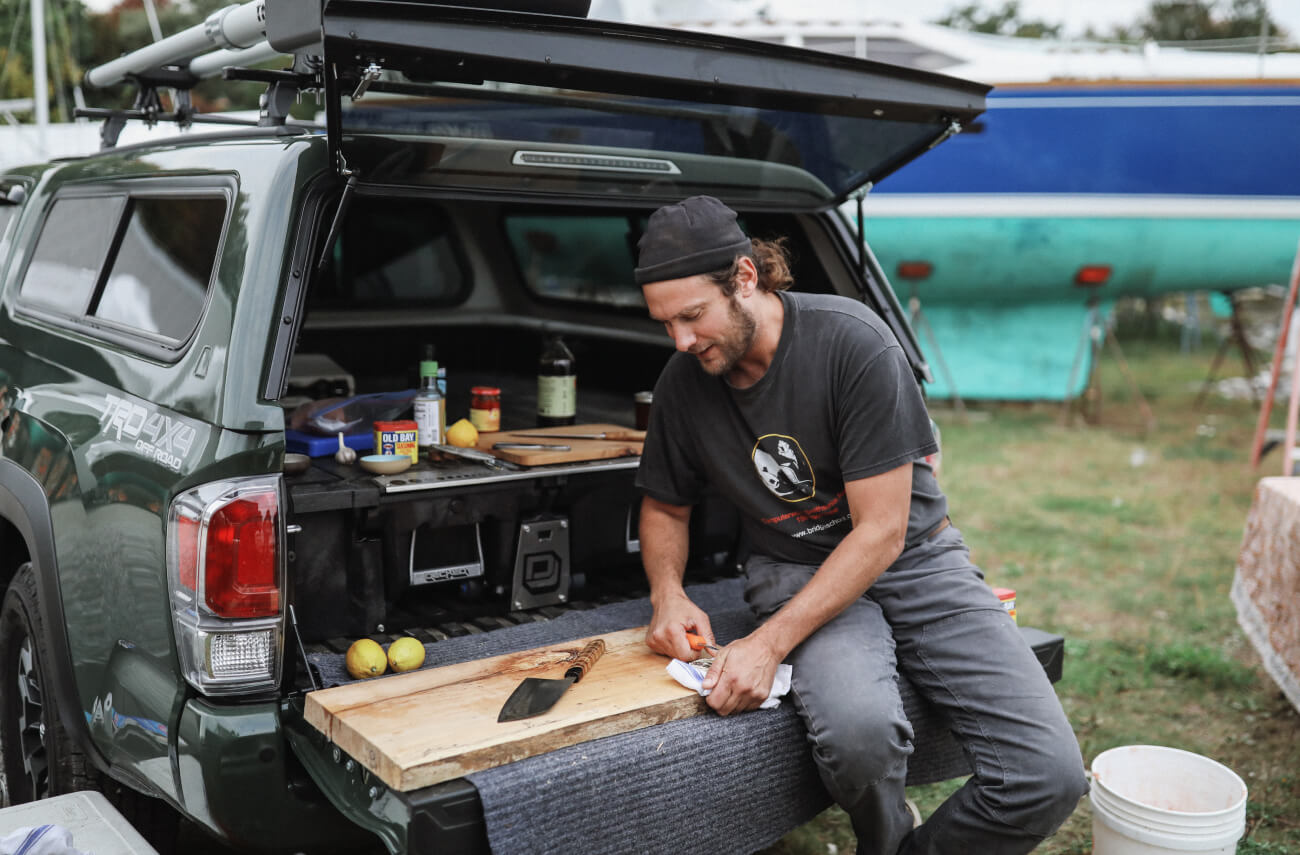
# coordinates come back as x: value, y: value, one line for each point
x: 530, y: 446
x: 698, y: 642
x: 483, y: 457
x: 617, y: 435
x: 535, y: 695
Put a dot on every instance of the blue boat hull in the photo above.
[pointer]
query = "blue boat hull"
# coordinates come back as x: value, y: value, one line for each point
x: 1173, y: 187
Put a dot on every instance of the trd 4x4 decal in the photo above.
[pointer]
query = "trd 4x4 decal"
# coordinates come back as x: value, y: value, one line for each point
x: 158, y: 437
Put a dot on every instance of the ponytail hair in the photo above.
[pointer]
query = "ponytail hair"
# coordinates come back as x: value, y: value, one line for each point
x: 770, y: 257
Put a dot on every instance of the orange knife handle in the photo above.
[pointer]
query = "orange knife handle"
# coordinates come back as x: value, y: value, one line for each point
x: 586, y: 659
x: 626, y: 435
x: 698, y: 642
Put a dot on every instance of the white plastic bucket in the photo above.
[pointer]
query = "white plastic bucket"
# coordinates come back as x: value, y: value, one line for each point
x: 1150, y: 800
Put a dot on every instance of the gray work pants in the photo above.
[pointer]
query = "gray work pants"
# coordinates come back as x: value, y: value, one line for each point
x: 932, y: 618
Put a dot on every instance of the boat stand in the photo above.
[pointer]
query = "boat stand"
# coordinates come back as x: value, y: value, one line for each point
x: 1237, y: 336
x: 917, y: 318
x: 1098, y: 334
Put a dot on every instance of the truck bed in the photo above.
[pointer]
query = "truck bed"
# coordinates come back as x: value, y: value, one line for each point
x: 755, y: 776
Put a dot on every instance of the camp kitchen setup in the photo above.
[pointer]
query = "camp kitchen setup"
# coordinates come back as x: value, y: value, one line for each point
x: 509, y: 560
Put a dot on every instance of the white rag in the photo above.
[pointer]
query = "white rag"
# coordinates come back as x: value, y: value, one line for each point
x: 39, y: 840
x: 691, y: 676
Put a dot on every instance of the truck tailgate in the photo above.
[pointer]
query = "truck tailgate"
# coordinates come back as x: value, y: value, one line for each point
x: 719, y: 785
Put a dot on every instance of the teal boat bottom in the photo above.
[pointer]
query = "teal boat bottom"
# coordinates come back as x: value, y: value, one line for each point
x: 1026, y: 352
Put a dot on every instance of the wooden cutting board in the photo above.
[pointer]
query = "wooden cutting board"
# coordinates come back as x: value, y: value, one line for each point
x: 579, y: 449
x: 416, y: 729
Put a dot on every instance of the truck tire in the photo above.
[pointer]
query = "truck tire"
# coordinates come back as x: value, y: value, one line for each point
x: 38, y: 758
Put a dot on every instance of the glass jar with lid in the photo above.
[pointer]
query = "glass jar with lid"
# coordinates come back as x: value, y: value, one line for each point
x: 485, y: 408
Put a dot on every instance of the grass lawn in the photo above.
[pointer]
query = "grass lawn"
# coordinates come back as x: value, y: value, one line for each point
x: 1124, y: 540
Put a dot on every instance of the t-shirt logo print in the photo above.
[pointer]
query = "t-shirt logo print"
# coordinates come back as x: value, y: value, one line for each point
x: 784, y: 468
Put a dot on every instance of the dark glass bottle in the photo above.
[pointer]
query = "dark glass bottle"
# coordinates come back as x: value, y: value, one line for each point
x: 557, y: 385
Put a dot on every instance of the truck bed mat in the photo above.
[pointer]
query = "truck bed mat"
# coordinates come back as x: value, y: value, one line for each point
x: 718, y: 785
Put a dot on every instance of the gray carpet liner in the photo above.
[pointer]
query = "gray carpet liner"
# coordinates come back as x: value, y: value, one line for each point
x: 708, y: 784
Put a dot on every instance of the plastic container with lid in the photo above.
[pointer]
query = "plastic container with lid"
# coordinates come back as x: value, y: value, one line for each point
x: 485, y: 408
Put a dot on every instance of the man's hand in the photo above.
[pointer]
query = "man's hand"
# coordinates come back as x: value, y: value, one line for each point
x: 741, y: 675
x: 673, y: 618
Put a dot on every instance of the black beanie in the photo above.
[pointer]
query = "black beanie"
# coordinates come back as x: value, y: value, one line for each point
x: 697, y: 235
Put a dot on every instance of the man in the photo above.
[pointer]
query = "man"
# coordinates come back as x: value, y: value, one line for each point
x: 803, y: 410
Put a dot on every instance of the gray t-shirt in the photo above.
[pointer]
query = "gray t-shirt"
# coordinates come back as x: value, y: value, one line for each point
x: 839, y: 402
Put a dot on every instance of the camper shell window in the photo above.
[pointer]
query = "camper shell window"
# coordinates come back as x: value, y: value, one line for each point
x: 132, y: 262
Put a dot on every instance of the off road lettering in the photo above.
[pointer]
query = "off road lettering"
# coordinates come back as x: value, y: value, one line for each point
x: 157, y: 436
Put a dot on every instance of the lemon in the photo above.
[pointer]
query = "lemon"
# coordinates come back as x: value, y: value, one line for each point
x: 365, y: 659
x: 405, y: 654
x: 462, y: 434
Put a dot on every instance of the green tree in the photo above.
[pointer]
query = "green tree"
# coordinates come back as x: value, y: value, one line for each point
x: 1005, y: 21
x: 66, y: 35
x: 1199, y: 20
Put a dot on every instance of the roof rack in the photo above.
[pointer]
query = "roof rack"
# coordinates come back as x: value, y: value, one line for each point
x: 226, y: 43
x: 228, y: 40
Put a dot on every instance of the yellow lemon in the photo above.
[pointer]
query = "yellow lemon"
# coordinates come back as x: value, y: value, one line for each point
x: 365, y: 659
x: 405, y: 654
x: 462, y: 434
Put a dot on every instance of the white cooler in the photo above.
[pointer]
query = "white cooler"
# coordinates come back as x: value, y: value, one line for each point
x: 96, y: 825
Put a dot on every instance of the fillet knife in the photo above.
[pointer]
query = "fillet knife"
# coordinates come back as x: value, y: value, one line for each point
x: 535, y: 696
x: 619, y: 435
x: 489, y: 460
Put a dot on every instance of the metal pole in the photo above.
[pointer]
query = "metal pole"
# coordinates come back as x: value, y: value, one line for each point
x: 231, y: 28
x: 40, y: 83
x: 210, y: 64
x: 152, y: 14
x: 1263, y: 35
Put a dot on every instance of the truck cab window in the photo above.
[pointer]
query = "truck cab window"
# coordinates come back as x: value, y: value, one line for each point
x: 582, y: 257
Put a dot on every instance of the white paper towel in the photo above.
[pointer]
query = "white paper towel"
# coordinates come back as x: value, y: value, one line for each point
x: 691, y: 675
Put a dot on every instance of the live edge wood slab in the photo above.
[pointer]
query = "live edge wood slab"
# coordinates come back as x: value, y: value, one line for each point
x: 579, y: 449
x: 417, y: 729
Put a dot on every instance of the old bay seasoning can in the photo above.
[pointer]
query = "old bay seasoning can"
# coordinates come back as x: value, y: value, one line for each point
x: 398, y: 437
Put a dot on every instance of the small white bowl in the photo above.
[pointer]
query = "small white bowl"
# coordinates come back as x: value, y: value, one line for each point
x: 295, y: 463
x: 385, y: 464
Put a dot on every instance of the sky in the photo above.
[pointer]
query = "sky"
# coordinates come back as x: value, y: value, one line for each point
x: 1077, y: 15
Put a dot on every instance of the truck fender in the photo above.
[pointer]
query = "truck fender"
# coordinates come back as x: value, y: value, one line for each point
x: 23, y: 504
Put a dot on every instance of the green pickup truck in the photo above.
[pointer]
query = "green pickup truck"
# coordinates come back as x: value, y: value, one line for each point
x: 477, y: 184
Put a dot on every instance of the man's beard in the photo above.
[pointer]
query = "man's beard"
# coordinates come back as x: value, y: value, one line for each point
x: 741, y: 331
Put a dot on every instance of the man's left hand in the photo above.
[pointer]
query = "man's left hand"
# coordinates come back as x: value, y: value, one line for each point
x: 741, y: 675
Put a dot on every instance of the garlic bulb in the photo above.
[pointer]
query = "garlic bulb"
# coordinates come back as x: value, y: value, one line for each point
x: 345, y: 455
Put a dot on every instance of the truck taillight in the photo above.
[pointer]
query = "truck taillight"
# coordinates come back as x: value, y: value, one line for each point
x: 185, y: 535
x: 241, y: 557
x: 225, y: 561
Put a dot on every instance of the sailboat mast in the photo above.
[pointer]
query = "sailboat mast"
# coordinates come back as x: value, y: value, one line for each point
x: 40, y: 85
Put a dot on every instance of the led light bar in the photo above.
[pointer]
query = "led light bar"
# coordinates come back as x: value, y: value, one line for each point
x: 598, y: 162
